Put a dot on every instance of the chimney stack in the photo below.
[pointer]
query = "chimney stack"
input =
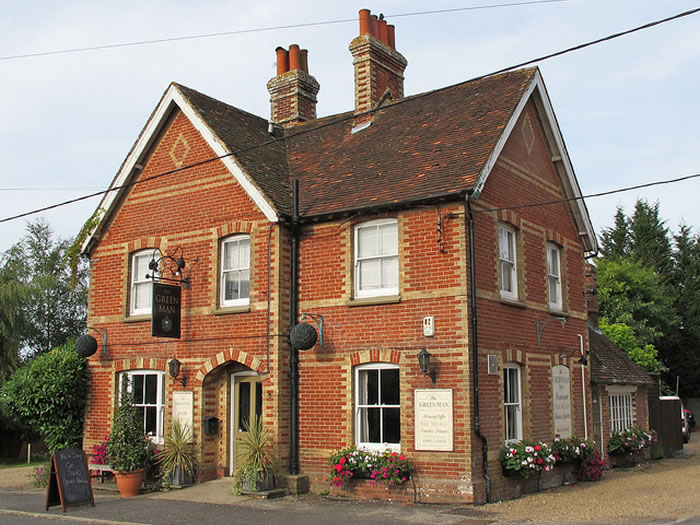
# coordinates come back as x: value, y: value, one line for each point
x: 378, y: 66
x: 293, y: 91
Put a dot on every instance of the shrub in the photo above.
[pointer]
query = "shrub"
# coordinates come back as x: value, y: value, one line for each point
x: 128, y: 446
x: 49, y: 395
x: 40, y: 477
x: 592, y: 467
x: 100, y: 453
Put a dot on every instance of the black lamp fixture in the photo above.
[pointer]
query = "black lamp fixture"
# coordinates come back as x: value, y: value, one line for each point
x: 582, y: 360
x: 424, y: 364
x: 174, y: 371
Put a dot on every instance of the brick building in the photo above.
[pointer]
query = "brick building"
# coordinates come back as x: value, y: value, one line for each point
x: 401, y: 225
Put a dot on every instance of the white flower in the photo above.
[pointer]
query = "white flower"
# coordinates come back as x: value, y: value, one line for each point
x: 529, y: 449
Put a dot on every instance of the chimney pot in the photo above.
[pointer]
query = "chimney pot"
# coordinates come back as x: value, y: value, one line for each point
x: 373, y: 26
x: 382, y: 31
x: 282, y: 60
x: 391, y: 36
x: 294, y: 59
x: 364, y: 21
x: 304, y: 60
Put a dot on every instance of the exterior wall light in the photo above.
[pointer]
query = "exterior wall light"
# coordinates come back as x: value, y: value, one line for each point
x: 424, y: 364
x: 174, y: 371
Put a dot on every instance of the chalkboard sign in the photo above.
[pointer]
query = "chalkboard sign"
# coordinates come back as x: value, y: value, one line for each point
x: 68, y: 480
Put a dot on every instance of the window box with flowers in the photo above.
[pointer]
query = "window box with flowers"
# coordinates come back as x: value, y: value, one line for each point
x: 355, y: 472
x: 580, y: 454
x: 525, y: 458
x: 631, y: 446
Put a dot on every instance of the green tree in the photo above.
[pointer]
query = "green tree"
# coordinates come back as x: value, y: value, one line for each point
x: 615, y: 241
x: 649, y: 239
x: 48, y: 396
x: 623, y: 336
x: 47, y: 310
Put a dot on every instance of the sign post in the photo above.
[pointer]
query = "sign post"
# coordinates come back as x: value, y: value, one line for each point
x: 68, y: 480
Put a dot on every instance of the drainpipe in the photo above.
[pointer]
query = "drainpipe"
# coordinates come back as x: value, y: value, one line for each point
x: 294, y: 360
x: 583, y: 390
x: 469, y: 218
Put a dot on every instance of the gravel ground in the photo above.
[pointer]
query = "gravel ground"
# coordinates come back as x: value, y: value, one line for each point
x: 665, y: 490
x: 660, y: 491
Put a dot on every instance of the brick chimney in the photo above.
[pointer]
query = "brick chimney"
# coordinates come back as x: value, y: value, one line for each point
x: 378, y: 66
x: 591, y: 287
x: 293, y: 91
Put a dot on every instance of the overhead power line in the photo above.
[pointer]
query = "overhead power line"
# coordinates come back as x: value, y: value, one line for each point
x: 351, y: 116
x: 266, y: 29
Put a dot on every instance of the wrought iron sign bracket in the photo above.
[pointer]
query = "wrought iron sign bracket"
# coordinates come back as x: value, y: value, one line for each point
x: 173, y: 265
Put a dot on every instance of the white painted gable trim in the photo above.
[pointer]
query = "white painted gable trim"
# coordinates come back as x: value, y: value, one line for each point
x: 171, y: 99
x: 578, y: 206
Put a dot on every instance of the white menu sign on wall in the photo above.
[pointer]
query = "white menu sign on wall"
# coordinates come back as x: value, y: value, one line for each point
x: 183, y: 409
x: 561, y: 400
x: 433, y: 420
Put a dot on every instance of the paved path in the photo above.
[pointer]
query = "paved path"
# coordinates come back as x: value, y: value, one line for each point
x: 666, y: 491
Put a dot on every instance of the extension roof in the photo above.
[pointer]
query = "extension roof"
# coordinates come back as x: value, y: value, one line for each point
x: 435, y: 145
x: 612, y: 366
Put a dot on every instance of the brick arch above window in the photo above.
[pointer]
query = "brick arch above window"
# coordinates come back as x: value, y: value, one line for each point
x: 226, y: 356
x: 375, y: 355
x: 144, y: 243
x: 139, y: 363
x: 233, y: 228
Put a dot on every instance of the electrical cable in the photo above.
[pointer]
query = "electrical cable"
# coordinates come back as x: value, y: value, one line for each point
x: 265, y: 29
x: 351, y: 116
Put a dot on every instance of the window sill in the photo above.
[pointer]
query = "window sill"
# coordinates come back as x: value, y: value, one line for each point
x: 137, y: 318
x: 225, y: 310
x: 381, y: 299
x: 513, y: 302
x: 557, y: 311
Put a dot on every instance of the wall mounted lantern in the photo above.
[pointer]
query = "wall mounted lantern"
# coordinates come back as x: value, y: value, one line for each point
x: 424, y: 364
x: 174, y: 370
x: 582, y: 360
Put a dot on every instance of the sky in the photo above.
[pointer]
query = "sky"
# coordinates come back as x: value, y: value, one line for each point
x: 628, y: 109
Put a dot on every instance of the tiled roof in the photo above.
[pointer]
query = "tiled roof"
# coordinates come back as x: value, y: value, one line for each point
x: 427, y: 145
x: 612, y: 366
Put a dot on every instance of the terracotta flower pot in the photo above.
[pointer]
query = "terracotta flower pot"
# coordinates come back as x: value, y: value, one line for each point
x: 129, y: 483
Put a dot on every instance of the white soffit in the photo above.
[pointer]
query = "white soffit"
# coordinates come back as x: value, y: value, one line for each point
x: 171, y: 99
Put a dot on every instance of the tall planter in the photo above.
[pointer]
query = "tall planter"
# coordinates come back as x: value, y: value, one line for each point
x: 178, y: 459
x: 129, y: 483
x: 127, y: 449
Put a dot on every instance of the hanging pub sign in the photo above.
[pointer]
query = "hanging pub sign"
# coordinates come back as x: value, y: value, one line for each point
x: 165, y: 318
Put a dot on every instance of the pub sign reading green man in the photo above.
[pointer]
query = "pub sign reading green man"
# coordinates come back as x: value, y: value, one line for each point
x: 165, y: 319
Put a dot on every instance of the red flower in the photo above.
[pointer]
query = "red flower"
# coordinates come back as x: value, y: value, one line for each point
x: 343, y: 460
x: 402, y: 457
x: 537, y: 447
x: 539, y: 461
x: 393, y: 454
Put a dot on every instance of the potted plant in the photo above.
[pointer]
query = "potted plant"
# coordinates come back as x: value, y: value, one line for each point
x: 255, y: 472
x: 127, y: 449
x: 178, y: 459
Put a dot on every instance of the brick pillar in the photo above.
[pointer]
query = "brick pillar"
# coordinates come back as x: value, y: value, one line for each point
x: 293, y: 91
x: 378, y: 66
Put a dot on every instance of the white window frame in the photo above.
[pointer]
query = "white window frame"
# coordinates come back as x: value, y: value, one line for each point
x: 511, y: 403
x: 370, y: 445
x: 139, y: 281
x: 554, y: 287
x: 392, y: 258
x: 240, y: 301
x: 508, y: 260
x: 159, y: 405
x: 621, y: 406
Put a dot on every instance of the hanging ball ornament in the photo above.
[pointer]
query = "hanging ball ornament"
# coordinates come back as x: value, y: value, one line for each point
x: 303, y: 336
x: 85, y: 346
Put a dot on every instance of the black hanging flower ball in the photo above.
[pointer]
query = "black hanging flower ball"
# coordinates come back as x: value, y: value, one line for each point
x: 85, y: 346
x: 303, y: 336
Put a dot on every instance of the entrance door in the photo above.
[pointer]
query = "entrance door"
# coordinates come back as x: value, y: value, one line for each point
x: 246, y: 406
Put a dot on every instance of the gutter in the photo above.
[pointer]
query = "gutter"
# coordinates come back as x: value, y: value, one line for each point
x: 294, y: 358
x: 471, y: 261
